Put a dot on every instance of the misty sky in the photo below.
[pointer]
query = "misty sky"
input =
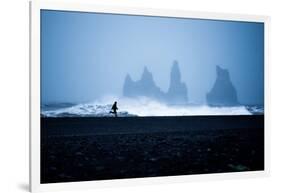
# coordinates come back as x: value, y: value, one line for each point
x: 85, y: 56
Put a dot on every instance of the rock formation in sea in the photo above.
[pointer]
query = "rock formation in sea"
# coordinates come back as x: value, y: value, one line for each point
x: 223, y: 92
x: 177, y: 93
x: 144, y: 87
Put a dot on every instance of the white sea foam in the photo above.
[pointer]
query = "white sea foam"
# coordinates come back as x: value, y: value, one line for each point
x: 142, y: 107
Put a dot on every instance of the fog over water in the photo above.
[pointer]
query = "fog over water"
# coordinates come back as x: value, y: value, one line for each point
x: 85, y: 57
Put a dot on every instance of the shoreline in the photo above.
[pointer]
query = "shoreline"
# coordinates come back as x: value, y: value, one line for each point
x: 112, y: 125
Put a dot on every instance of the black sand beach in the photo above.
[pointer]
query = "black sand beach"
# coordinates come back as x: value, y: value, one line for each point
x: 80, y: 149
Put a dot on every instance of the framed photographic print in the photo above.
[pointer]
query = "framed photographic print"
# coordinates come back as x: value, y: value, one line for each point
x: 129, y: 95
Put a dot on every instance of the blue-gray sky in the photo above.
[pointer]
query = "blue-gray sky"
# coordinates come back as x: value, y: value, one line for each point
x: 85, y: 56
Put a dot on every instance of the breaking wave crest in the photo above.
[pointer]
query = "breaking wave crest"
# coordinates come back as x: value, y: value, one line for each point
x: 140, y: 107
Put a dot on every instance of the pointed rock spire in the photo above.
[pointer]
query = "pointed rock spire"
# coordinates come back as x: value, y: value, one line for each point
x: 177, y: 93
x: 147, y: 76
x: 175, y: 72
x: 223, y: 92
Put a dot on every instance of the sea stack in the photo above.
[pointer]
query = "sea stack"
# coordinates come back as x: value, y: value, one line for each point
x: 146, y: 87
x: 127, y: 87
x: 223, y: 92
x: 177, y: 93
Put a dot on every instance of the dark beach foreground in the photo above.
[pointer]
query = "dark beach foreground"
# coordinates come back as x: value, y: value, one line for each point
x: 81, y: 149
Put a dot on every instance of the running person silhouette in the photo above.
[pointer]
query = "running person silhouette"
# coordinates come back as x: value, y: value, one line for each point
x: 114, y: 109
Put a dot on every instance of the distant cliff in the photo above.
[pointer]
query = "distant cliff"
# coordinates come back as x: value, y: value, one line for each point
x: 223, y: 92
x: 177, y: 93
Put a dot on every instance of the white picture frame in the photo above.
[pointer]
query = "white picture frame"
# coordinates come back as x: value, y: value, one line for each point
x: 36, y: 6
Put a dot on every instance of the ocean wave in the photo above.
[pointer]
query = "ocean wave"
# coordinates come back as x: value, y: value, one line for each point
x: 256, y: 109
x: 144, y: 107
